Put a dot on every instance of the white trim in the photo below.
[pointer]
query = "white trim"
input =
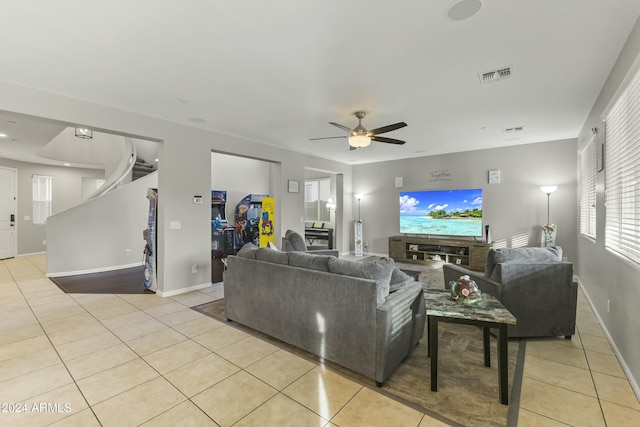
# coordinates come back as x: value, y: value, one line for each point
x: 184, y: 290
x: 623, y: 364
x: 31, y: 254
x: 94, y: 270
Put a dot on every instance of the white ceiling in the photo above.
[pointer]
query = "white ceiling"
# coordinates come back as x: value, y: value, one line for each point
x: 278, y: 71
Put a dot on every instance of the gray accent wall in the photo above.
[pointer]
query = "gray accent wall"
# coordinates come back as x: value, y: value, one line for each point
x: 66, y: 192
x: 514, y: 209
x: 605, y: 276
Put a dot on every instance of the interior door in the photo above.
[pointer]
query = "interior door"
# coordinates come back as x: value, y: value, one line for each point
x: 7, y: 213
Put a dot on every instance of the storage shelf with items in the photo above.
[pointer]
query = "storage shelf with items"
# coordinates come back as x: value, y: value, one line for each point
x: 426, y: 250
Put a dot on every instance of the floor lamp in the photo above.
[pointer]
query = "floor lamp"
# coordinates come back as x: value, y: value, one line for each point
x: 357, y: 230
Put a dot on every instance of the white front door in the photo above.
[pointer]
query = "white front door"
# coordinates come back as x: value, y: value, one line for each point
x: 7, y: 213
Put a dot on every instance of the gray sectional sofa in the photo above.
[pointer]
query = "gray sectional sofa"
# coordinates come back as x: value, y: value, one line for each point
x: 365, y: 316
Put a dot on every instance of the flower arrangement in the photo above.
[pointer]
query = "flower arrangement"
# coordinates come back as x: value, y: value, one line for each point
x: 465, y: 291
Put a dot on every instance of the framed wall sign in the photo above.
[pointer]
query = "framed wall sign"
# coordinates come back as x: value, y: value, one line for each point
x: 294, y: 186
x: 494, y: 177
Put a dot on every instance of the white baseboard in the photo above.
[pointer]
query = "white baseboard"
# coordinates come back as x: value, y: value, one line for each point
x: 93, y: 270
x: 623, y: 364
x: 31, y: 254
x: 183, y: 290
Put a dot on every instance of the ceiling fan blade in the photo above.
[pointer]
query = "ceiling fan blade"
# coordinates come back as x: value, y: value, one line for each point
x: 387, y: 128
x: 387, y: 140
x: 341, y: 126
x: 328, y: 137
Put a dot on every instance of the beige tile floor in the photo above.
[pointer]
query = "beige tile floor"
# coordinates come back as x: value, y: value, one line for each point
x: 120, y: 360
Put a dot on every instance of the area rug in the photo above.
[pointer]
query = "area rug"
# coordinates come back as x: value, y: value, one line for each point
x: 123, y: 281
x: 467, y: 390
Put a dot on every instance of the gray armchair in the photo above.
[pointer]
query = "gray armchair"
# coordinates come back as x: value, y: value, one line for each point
x: 293, y: 241
x: 533, y: 284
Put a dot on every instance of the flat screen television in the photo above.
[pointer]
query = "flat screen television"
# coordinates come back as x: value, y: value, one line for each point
x: 442, y: 212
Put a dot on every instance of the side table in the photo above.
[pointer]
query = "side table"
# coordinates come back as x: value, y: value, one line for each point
x: 490, y: 314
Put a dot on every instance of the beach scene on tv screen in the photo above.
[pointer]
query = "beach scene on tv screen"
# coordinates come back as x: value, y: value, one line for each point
x: 442, y: 212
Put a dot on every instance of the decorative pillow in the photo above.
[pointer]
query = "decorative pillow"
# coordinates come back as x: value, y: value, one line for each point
x: 248, y: 251
x: 310, y: 261
x: 296, y: 240
x: 398, y: 279
x: 379, y: 270
x: 521, y: 255
x: 269, y: 255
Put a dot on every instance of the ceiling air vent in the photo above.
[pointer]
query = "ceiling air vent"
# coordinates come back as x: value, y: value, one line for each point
x: 515, y: 129
x: 495, y: 75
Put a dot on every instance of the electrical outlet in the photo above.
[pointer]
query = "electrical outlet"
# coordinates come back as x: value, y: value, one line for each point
x: 366, y: 244
x: 44, y: 243
x: 194, y: 268
x: 127, y: 251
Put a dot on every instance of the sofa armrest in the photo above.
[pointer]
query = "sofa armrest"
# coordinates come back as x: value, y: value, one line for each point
x: 453, y: 272
x: 399, y: 327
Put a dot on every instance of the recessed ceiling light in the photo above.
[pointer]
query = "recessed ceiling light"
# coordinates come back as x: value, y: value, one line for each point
x: 464, y: 9
x: 3, y: 135
x: 67, y: 164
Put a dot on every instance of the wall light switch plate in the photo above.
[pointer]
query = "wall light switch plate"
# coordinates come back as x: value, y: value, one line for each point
x: 197, y: 200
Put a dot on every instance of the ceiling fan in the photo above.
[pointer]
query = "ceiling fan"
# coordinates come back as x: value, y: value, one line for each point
x: 360, y: 137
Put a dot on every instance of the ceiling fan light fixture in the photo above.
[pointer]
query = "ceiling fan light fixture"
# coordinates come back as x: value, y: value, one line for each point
x: 359, y: 141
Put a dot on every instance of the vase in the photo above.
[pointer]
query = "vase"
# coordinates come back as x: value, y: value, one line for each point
x: 548, y: 235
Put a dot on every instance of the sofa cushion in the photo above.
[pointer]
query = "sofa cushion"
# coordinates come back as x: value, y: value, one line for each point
x: 522, y: 256
x: 248, y: 251
x: 310, y: 261
x: 269, y: 255
x: 399, y: 279
x: 296, y: 240
x: 379, y: 270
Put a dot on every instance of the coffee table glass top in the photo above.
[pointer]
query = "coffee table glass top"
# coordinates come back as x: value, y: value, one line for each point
x: 440, y: 304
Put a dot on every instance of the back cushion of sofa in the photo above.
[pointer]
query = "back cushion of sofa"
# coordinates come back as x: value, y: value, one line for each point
x: 521, y: 255
x: 379, y: 270
x: 310, y: 261
x: 248, y: 251
x: 269, y: 255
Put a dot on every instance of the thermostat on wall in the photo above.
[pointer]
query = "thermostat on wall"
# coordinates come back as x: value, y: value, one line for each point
x: 197, y: 200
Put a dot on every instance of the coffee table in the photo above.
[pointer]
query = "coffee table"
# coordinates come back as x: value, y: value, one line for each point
x: 490, y: 314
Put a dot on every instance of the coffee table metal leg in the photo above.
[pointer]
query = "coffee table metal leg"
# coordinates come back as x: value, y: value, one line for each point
x: 503, y: 364
x: 433, y: 349
x: 485, y: 344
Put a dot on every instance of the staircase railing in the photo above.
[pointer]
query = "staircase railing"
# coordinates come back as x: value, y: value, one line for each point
x: 122, y: 172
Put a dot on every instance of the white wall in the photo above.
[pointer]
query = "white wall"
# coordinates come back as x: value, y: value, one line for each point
x: 605, y: 275
x: 515, y: 209
x: 185, y: 171
x: 66, y: 193
x: 103, y: 233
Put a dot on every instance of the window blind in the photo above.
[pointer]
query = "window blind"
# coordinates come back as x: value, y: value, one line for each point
x: 587, y: 188
x: 622, y: 174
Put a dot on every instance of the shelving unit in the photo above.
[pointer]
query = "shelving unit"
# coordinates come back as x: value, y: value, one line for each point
x: 426, y: 250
